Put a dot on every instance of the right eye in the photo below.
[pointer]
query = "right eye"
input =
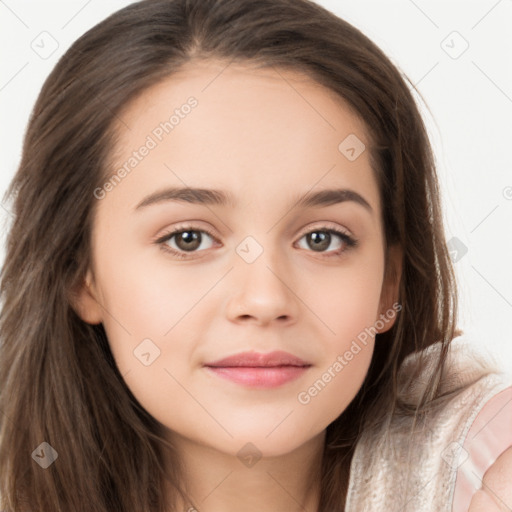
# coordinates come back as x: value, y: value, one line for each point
x: 188, y: 239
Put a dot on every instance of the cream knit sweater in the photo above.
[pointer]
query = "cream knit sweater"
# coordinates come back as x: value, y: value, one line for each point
x: 395, y: 469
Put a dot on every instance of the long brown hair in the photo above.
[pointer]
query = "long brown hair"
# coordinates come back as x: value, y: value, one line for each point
x: 58, y: 381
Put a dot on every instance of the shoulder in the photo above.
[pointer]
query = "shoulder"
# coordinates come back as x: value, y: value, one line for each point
x: 477, y: 422
x: 427, y: 458
x: 485, y: 473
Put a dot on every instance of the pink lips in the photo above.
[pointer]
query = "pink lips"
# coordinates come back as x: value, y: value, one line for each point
x: 259, y: 370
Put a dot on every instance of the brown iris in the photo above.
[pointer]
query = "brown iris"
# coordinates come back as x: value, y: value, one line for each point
x: 321, y: 239
x: 191, y: 240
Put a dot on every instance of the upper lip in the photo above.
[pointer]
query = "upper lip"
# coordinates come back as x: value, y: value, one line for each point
x: 258, y: 360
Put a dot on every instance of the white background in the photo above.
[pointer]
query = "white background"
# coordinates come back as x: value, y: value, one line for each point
x: 469, y: 116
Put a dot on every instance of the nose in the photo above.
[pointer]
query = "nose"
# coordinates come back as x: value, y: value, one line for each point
x: 263, y: 293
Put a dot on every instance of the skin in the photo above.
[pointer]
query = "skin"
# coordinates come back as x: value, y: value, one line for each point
x: 495, y: 495
x: 266, y: 137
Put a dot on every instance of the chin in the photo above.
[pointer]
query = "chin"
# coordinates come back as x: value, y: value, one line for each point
x: 260, y: 444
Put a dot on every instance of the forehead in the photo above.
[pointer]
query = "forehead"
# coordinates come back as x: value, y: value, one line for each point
x: 242, y: 88
x: 251, y: 130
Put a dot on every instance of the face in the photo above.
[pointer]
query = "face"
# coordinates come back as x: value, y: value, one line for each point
x: 251, y: 269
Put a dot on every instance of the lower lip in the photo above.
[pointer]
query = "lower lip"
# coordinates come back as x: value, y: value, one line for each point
x: 259, y: 377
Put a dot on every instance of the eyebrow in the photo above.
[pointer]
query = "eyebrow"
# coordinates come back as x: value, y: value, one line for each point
x: 203, y: 196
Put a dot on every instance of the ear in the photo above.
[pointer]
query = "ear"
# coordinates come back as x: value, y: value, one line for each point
x: 84, y: 301
x: 389, y: 305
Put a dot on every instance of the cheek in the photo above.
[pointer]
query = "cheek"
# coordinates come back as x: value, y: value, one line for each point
x: 149, y: 295
x: 345, y: 300
x: 143, y: 302
x: 332, y: 388
x: 151, y: 327
x: 348, y: 305
x: 350, y: 314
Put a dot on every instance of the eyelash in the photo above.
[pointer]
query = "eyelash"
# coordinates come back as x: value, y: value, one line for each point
x: 161, y: 241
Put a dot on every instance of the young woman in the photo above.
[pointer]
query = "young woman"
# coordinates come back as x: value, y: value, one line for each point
x: 227, y: 285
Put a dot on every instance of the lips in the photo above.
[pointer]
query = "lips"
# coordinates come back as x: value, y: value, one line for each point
x: 255, y: 370
x: 257, y: 360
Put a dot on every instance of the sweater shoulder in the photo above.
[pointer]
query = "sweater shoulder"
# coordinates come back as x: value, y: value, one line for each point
x: 418, y: 457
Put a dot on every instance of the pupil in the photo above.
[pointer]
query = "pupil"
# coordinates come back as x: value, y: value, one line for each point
x: 321, y: 239
x: 189, y: 238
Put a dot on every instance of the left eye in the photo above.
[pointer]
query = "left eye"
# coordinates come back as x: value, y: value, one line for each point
x: 320, y: 239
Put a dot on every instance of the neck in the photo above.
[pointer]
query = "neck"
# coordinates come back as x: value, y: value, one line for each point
x: 220, y: 482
